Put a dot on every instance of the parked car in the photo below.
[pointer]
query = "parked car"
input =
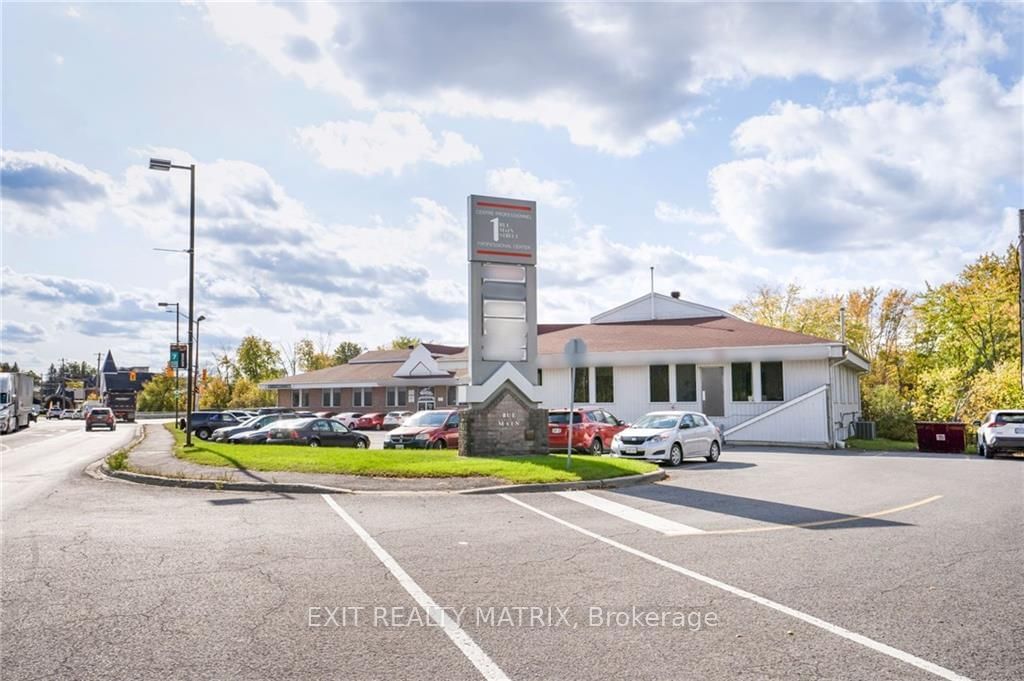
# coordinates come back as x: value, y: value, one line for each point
x: 431, y: 429
x: 240, y: 414
x: 393, y: 419
x: 316, y: 433
x: 273, y: 410
x: 1001, y: 431
x: 100, y: 417
x: 254, y: 423
x: 373, y: 421
x: 71, y: 414
x: 54, y: 413
x: 205, y: 422
x: 670, y: 437
x: 348, y: 418
x: 257, y: 436
x: 592, y: 430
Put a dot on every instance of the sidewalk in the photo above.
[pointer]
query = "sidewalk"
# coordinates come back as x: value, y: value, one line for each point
x: 155, y: 456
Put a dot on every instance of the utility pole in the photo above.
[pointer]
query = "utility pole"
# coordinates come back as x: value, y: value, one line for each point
x: 98, y: 355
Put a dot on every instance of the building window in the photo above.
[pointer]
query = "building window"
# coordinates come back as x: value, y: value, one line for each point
x: 540, y: 377
x: 300, y: 398
x: 453, y: 395
x: 686, y: 383
x: 742, y: 382
x: 605, y: 384
x: 581, y: 385
x: 771, y: 382
x: 396, y: 397
x: 331, y: 397
x: 659, y: 383
x: 362, y: 397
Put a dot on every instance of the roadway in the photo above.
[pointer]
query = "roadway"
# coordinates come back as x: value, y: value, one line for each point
x: 769, y: 564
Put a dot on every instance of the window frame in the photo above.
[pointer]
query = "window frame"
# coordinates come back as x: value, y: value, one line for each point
x: 610, y: 378
x: 581, y: 384
x: 689, y: 397
x: 650, y: 384
x: 362, y: 394
x: 736, y: 385
x: 781, y: 384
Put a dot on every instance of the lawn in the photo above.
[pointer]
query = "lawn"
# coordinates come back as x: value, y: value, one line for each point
x: 885, y: 445
x: 390, y: 463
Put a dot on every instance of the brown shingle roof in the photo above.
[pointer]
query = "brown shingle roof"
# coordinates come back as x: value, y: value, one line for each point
x: 668, y: 334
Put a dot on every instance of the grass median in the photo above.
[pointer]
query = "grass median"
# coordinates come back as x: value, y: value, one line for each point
x: 422, y: 463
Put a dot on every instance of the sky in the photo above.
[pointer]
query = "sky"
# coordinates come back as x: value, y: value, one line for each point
x: 730, y: 146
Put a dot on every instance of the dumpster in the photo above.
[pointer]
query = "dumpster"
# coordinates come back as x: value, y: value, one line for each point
x: 941, y: 436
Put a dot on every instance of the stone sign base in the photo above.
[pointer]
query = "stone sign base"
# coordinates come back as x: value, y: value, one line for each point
x: 507, y: 424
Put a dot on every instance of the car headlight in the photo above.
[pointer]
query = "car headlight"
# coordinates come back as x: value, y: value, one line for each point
x: 660, y: 437
x: 422, y: 437
x: 616, y: 440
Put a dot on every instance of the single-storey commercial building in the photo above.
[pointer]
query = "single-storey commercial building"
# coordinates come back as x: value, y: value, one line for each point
x: 759, y: 384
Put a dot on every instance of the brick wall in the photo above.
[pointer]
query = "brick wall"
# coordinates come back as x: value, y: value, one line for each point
x: 507, y: 425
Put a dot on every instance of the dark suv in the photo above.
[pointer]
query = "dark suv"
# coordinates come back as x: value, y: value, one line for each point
x: 205, y: 422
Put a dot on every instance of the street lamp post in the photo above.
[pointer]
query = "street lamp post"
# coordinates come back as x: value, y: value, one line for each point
x: 201, y: 318
x: 165, y: 165
x: 177, y: 340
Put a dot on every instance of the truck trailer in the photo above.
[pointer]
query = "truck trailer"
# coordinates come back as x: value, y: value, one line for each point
x: 122, y: 404
x: 15, y: 401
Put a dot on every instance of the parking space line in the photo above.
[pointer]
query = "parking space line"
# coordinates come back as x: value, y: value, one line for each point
x: 870, y: 643
x: 460, y: 638
x: 633, y: 515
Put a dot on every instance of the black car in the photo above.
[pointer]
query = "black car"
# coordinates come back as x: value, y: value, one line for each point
x: 316, y: 433
x: 205, y: 422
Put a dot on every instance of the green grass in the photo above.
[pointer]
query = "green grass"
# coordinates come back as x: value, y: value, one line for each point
x: 885, y: 445
x: 390, y: 463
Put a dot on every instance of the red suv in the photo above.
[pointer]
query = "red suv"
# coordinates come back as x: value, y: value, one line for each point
x: 592, y: 430
x: 432, y: 429
x: 100, y: 417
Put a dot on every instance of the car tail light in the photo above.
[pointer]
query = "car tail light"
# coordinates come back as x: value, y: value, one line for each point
x: 998, y: 424
x: 295, y: 435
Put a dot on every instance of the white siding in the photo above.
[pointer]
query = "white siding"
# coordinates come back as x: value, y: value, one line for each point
x: 846, y: 404
x: 805, y: 422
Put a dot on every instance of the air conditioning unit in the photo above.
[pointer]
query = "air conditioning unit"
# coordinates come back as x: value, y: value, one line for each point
x: 864, y: 430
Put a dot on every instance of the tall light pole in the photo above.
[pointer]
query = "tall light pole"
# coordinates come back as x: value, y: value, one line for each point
x: 163, y: 164
x: 201, y: 318
x: 177, y: 340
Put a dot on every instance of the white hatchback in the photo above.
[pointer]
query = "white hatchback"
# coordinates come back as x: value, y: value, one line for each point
x: 670, y: 437
x: 1001, y: 430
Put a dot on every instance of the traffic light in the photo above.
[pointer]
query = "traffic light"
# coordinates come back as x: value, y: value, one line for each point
x: 131, y: 376
x: 204, y: 375
x: 169, y: 372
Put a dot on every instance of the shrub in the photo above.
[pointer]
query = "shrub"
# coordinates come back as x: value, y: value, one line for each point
x: 891, y: 413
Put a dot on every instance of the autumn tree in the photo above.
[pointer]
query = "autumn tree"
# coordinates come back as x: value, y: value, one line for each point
x: 257, y: 359
x: 346, y: 351
x: 214, y: 393
x: 158, y: 394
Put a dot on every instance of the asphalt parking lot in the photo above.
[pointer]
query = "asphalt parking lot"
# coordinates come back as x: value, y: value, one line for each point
x: 768, y: 564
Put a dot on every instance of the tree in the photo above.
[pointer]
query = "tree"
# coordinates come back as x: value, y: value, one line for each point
x: 404, y: 342
x: 346, y: 351
x: 215, y: 393
x: 257, y: 359
x: 310, y: 358
x: 247, y: 393
x: 158, y: 394
x: 770, y: 306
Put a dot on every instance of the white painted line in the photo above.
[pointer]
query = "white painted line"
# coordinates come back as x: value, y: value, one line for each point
x: 460, y: 638
x: 633, y: 515
x: 736, y: 591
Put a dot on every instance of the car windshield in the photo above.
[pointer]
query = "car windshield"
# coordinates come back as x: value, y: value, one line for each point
x: 561, y: 418
x: 1010, y: 417
x: 298, y: 424
x: 98, y: 410
x: 427, y: 418
x: 661, y: 421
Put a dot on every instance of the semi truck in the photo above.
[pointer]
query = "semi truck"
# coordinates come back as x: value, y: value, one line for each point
x: 15, y: 401
x: 122, y: 404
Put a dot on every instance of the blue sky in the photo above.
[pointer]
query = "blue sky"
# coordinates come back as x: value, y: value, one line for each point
x: 730, y: 146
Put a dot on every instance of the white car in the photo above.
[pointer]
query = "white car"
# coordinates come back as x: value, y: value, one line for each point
x: 348, y: 418
x: 393, y: 419
x: 1001, y: 431
x: 670, y: 437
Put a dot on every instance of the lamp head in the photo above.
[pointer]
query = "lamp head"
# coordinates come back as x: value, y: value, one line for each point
x: 159, y: 164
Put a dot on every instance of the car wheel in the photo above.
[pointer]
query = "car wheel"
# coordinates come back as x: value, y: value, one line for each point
x: 362, y: 444
x: 714, y: 453
x: 596, y: 447
x: 990, y: 453
x: 314, y: 443
x: 87, y: 429
x: 675, y: 456
x: 439, y: 444
x: 203, y: 433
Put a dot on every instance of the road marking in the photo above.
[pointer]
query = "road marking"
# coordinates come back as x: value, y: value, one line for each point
x: 484, y: 664
x: 895, y: 653
x: 825, y: 523
x: 633, y: 515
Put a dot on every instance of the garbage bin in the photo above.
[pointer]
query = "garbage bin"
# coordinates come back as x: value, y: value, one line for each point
x: 941, y: 436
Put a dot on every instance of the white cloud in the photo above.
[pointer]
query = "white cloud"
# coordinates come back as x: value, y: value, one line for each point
x: 389, y: 143
x: 72, y: 13
x: 521, y: 184
x: 58, y: 59
x: 671, y: 213
x: 46, y: 194
x: 617, y: 78
x: 865, y: 175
